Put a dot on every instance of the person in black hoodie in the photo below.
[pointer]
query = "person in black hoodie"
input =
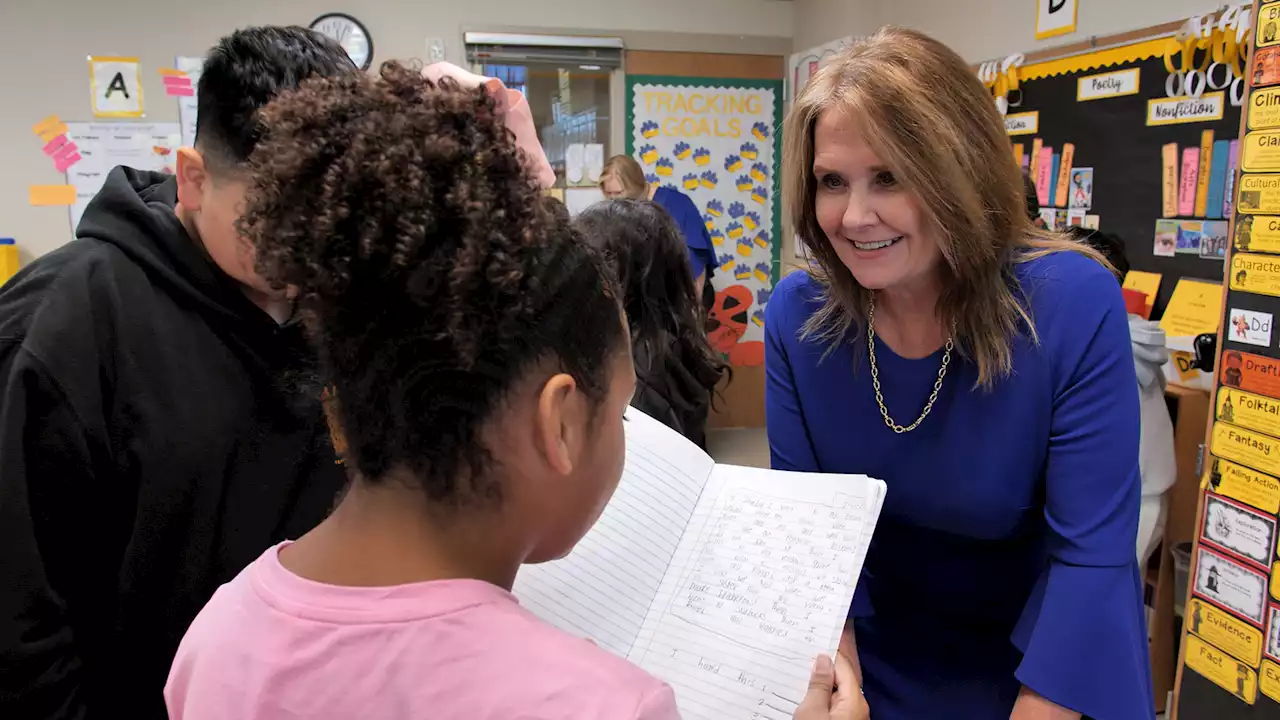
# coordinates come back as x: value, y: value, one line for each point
x: 158, y: 425
x: 676, y: 368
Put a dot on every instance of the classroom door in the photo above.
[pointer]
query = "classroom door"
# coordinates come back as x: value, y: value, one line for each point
x: 742, y: 403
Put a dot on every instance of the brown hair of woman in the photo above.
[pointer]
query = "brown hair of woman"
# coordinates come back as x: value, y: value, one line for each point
x: 926, y: 115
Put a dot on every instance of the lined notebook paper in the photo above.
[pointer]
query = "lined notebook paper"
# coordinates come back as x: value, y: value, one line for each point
x: 723, y: 581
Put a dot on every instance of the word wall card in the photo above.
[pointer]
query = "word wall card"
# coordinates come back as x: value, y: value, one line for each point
x: 1230, y: 666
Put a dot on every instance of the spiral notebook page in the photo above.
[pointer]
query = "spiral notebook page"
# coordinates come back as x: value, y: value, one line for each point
x: 604, y: 588
x: 759, y: 586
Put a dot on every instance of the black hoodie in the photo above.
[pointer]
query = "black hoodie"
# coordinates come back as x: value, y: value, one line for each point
x: 158, y: 431
x: 677, y: 394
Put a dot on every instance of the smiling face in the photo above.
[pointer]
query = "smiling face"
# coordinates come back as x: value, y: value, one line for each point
x: 872, y: 222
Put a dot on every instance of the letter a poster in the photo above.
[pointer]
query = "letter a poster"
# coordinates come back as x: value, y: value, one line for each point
x: 717, y: 142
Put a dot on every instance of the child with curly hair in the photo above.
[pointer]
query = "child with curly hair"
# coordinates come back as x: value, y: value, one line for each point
x: 479, y: 368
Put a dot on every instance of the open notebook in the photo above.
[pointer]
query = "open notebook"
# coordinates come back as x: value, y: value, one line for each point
x: 724, y: 581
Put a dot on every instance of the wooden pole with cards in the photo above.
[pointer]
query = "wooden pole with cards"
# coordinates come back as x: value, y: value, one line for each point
x: 1229, y: 667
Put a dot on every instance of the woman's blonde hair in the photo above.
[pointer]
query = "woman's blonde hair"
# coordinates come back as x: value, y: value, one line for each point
x: 924, y: 112
x: 629, y: 175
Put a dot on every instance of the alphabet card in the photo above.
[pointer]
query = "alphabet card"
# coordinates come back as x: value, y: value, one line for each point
x: 116, y: 87
x: 1055, y: 17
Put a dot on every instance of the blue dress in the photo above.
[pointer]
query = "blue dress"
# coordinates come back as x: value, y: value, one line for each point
x: 1004, y: 555
x: 689, y: 220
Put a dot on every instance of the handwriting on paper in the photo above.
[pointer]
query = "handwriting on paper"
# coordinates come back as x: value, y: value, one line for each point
x: 769, y: 568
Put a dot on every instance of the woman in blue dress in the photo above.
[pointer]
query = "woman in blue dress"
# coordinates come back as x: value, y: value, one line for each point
x: 623, y: 177
x: 982, y: 368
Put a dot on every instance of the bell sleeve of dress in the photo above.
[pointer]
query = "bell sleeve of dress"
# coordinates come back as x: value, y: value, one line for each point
x: 789, y: 445
x: 1082, y: 631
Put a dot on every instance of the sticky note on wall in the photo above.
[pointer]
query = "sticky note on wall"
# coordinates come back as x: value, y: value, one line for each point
x: 176, y: 83
x: 52, y: 194
x: 49, y: 128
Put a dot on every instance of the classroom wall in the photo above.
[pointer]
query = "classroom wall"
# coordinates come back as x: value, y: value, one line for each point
x: 47, y: 41
x: 815, y: 22
x: 984, y: 29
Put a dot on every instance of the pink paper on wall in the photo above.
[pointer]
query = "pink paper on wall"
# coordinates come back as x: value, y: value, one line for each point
x: 1044, y: 173
x: 178, y: 85
x: 1187, y: 187
x: 53, y: 146
x: 64, y: 162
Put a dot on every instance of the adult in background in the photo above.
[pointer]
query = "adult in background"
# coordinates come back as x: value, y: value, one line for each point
x: 156, y: 428
x: 676, y: 369
x: 623, y: 177
x: 982, y: 368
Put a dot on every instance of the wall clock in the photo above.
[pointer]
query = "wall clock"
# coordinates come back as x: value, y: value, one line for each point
x: 350, y: 34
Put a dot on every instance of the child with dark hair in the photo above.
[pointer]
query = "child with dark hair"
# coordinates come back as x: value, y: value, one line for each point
x: 1110, y: 246
x: 676, y: 369
x: 156, y: 429
x: 480, y: 368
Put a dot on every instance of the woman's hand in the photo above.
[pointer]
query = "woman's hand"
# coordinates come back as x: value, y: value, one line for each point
x: 833, y: 693
x: 849, y: 649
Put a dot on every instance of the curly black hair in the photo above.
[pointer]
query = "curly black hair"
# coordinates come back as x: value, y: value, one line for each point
x: 431, y: 272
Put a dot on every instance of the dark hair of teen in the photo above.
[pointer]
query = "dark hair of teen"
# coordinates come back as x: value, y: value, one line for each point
x: 243, y: 72
x: 668, y: 333
x: 1110, y: 246
x: 430, y: 272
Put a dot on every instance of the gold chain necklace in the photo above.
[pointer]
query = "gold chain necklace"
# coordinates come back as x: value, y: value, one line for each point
x: 875, y: 374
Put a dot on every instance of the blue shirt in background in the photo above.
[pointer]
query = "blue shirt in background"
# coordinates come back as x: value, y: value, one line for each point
x: 689, y: 220
x: 1005, y: 551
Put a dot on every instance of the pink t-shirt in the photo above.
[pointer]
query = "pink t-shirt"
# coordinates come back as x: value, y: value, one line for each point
x: 274, y: 645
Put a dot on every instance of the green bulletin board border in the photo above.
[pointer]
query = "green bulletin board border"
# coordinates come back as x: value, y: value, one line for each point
x: 776, y: 86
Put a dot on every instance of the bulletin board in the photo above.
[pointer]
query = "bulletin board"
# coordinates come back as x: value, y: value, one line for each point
x: 1111, y: 137
x: 1230, y: 662
x: 716, y: 141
